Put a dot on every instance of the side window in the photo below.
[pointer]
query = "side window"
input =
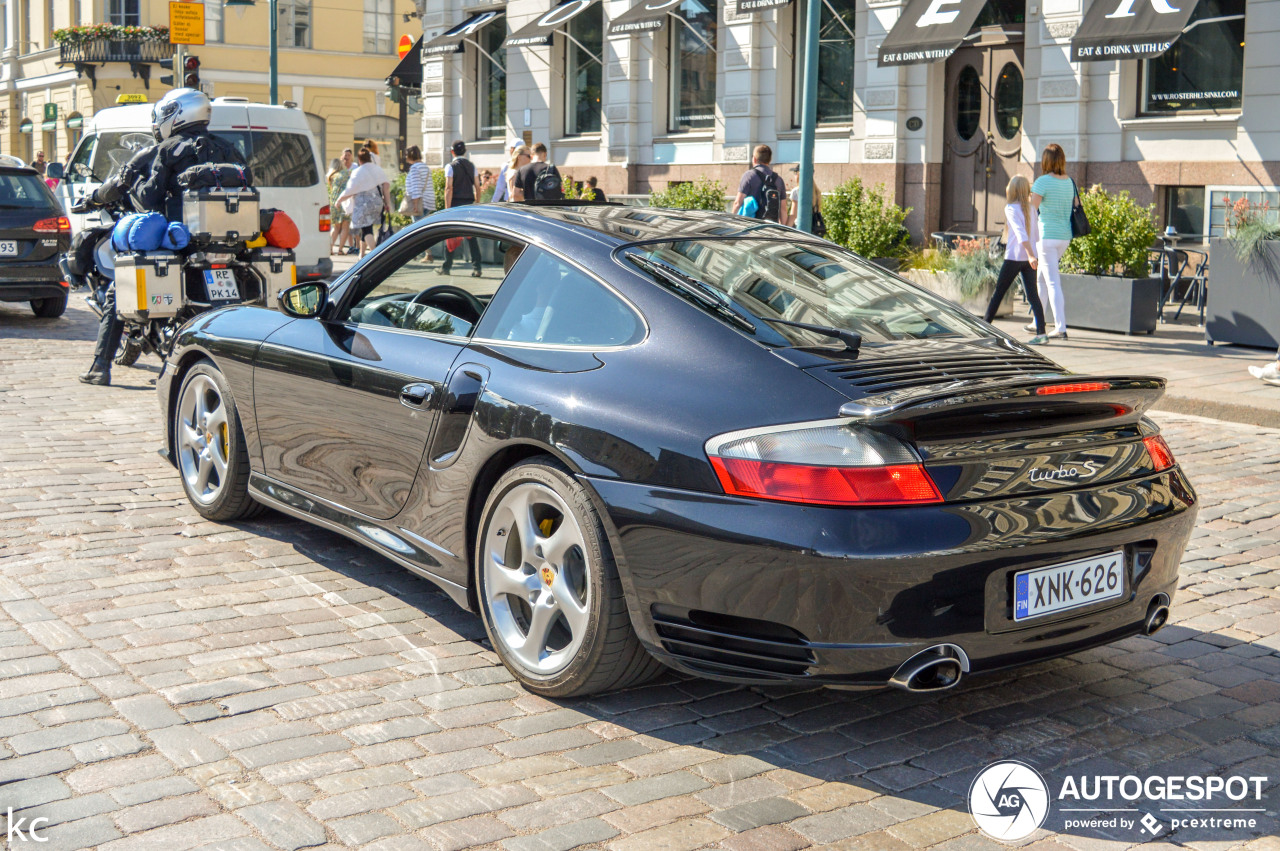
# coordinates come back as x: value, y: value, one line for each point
x: 546, y: 300
x: 441, y: 286
x: 83, y: 156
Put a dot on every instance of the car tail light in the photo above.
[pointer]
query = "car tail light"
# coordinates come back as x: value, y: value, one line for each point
x: 1080, y: 387
x: 58, y: 224
x: 1161, y: 454
x: 324, y: 219
x: 821, y: 464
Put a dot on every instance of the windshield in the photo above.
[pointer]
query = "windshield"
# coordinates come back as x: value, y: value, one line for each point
x: 764, y: 279
x: 276, y: 159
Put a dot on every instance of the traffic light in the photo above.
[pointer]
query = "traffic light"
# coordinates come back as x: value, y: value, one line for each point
x: 192, y: 68
x: 166, y: 64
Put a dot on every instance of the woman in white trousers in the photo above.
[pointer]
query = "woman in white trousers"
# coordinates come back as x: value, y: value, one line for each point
x: 1052, y: 195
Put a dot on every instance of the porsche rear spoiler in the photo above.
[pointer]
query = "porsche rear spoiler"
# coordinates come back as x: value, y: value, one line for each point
x: 1128, y: 396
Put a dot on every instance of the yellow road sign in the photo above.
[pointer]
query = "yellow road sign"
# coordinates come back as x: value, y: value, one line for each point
x: 186, y: 23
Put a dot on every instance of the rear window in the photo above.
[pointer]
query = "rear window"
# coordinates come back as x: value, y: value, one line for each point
x: 752, y: 281
x: 276, y: 159
x: 25, y: 191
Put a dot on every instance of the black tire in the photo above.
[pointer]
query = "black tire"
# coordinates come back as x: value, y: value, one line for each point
x: 232, y: 501
x: 49, y: 308
x: 610, y: 656
x: 130, y: 351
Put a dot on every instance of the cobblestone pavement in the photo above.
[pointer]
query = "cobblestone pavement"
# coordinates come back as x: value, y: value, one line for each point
x: 171, y: 683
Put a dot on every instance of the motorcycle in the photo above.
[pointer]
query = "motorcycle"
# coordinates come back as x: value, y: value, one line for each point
x: 165, y: 290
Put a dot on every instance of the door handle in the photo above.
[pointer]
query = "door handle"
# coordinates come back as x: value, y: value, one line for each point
x: 416, y: 395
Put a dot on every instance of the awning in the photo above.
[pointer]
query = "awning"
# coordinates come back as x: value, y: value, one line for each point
x: 542, y: 29
x: 451, y: 41
x: 1129, y: 29
x: 409, y: 71
x: 75, y: 122
x: 26, y: 127
x: 49, y: 125
x: 645, y: 15
x: 757, y: 5
x: 929, y: 30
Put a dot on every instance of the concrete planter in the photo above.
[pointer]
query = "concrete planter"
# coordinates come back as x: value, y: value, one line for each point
x: 1244, y: 298
x: 943, y: 284
x: 1107, y: 303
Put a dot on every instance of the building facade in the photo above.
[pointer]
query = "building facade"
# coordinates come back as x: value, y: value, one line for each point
x: 939, y: 100
x: 333, y: 63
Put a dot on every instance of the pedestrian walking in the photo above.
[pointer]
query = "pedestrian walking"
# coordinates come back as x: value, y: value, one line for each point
x: 502, y: 192
x: 520, y: 157
x: 1052, y: 195
x: 418, y: 189
x: 340, y: 239
x: 762, y: 191
x: 461, y: 187
x: 540, y: 180
x: 39, y: 163
x: 593, y: 192
x: 1020, y: 259
x: 373, y: 149
x: 817, y: 225
x: 368, y: 195
x: 488, y: 185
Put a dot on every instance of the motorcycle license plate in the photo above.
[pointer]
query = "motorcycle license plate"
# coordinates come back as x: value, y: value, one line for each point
x: 221, y: 285
x: 8, y: 248
x: 1068, y: 586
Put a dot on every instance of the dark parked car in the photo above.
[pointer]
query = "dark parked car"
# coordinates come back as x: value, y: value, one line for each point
x: 34, y: 232
x: 645, y: 435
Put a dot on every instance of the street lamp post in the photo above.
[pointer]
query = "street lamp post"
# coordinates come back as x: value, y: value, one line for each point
x: 809, y: 115
x: 273, y: 54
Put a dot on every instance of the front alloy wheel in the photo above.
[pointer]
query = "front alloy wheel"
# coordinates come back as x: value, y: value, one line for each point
x: 552, y: 603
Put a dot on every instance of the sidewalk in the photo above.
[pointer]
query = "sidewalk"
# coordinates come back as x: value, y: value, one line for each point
x: 1210, y: 381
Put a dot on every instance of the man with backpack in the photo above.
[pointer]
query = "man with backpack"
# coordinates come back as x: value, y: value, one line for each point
x: 762, y: 192
x: 461, y: 187
x: 540, y: 180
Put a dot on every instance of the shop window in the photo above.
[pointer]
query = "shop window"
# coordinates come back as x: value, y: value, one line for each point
x: 377, y: 26
x: 491, y: 79
x: 124, y: 13
x: 1001, y: 13
x: 213, y: 20
x: 835, y: 61
x: 1184, y: 210
x: 693, y: 66
x: 1265, y: 200
x: 1204, y: 70
x: 293, y: 25
x: 583, y: 73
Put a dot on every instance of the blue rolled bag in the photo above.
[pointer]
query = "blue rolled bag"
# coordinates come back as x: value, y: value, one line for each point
x: 148, y: 232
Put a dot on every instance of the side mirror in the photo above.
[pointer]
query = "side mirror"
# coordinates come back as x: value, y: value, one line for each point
x: 83, y: 169
x: 55, y: 170
x: 304, y: 301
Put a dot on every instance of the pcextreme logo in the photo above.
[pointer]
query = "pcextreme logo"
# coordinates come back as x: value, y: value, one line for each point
x: 1009, y: 801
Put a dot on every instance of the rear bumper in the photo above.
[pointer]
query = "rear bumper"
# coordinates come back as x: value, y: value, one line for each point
x: 323, y: 269
x: 25, y: 281
x: 16, y: 291
x: 843, y: 597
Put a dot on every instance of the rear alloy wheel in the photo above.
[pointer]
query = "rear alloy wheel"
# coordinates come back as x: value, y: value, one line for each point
x: 49, y: 308
x: 550, y: 596
x: 210, y: 448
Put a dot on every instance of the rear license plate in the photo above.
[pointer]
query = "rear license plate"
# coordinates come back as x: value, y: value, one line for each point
x: 1047, y: 590
x: 8, y: 248
x: 221, y: 285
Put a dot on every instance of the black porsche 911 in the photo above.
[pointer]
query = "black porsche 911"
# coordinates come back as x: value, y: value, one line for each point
x: 628, y: 437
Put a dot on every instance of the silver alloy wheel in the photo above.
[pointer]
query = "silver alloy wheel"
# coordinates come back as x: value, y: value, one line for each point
x: 204, y: 439
x: 536, y: 580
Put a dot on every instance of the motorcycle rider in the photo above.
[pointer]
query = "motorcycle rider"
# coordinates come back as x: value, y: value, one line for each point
x: 180, y: 125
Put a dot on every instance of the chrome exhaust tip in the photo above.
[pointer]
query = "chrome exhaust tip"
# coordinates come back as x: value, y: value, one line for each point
x: 1157, y: 614
x: 936, y: 669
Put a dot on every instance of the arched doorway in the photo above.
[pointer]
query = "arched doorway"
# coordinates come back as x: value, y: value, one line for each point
x: 383, y: 130
x: 983, y: 132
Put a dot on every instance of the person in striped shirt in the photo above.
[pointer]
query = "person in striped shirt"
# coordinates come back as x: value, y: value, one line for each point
x: 418, y: 186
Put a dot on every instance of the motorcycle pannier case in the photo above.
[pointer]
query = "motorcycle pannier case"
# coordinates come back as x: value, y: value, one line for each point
x: 148, y: 286
x: 279, y: 268
x: 221, y: 215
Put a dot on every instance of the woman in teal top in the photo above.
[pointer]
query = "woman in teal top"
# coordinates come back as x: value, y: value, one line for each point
x: 1052, y: 195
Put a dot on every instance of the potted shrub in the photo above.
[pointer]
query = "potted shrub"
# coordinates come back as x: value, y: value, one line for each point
x: 1244, y: 299
x: 701, y: 194
x: 867, y: 222
x: 965, y: 274
x: 1105, y: 278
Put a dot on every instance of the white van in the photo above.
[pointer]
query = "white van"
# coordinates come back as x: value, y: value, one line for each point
x: 276, y: 141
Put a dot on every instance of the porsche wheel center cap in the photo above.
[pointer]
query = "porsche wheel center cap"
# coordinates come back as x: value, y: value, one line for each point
x: 548, y: 576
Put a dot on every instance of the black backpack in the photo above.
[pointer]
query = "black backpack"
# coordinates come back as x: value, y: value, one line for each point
x: 548, y: 186
x: 769, y: 196
x: 464, y: 184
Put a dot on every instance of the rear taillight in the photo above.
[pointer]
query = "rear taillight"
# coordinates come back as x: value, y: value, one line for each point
x: 1079, y: 387
x: 821, y: 464
x: 1161, y: 454
x: 324, y: 219
x: 58, y: 224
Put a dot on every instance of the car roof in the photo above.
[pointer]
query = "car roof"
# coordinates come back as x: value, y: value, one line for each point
x: 18, y: 169
x: 617, y: 225
x: 136, y: 116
